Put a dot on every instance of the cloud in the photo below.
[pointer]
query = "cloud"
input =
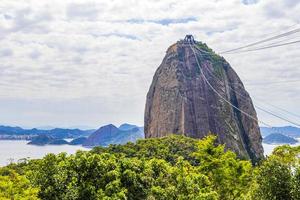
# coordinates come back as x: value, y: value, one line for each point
x: 274, y: 11
x: 165, y: 21
x: 6, y: 52
x: 291, y: 3
x: 104, y: 53
x: 35, y: 54
x: 248, y: 2
x: 27, y: 20
x: 120, y: 35
x: 82, y: 11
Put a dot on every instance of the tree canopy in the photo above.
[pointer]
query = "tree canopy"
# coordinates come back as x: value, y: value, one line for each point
x: 174, y: 167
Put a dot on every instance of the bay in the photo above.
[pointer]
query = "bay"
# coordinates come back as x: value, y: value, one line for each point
x: 13, y: 150
x: 268, y: 148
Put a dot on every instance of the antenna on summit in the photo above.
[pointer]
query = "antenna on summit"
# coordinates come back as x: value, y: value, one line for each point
x: 189, y: 39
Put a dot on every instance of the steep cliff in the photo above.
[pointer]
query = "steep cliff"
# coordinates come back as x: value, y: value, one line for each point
x: 194, y: 101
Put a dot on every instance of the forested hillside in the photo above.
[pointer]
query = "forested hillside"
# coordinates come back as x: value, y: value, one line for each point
x: 174, y: 167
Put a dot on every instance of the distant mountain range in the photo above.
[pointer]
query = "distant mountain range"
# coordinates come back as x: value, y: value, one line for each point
x: 277, y: 138
x: 104, y: 136
x: 285, y: 130
x: 8, y: 132
x: 110, y: 134
x: 48, y: 140
x: 45, y: 139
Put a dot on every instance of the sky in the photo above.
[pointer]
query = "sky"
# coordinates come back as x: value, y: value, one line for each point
x: 69, y: 63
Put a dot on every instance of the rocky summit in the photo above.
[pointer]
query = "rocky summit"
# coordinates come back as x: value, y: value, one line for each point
x: 197, y: 99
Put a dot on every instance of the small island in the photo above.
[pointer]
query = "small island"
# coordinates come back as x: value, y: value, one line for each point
x: 78, y: 141
x: 45, y: 139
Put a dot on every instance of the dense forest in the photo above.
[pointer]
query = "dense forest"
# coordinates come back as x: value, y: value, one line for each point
x: 174, y: 167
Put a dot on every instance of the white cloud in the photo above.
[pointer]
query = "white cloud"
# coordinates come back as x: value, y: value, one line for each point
x: 82, y: 11
x: 93, y: 61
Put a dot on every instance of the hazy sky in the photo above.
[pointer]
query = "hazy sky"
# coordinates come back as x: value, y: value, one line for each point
x: 71, y: 63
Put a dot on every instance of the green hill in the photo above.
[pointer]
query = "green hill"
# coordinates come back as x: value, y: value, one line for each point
x: 169, y: 168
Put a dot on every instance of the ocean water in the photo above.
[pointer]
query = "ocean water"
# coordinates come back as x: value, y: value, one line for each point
x: 268, y: 148
x: 13, y: 150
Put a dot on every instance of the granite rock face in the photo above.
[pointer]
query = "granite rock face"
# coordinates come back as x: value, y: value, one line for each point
x: 194, y: 101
